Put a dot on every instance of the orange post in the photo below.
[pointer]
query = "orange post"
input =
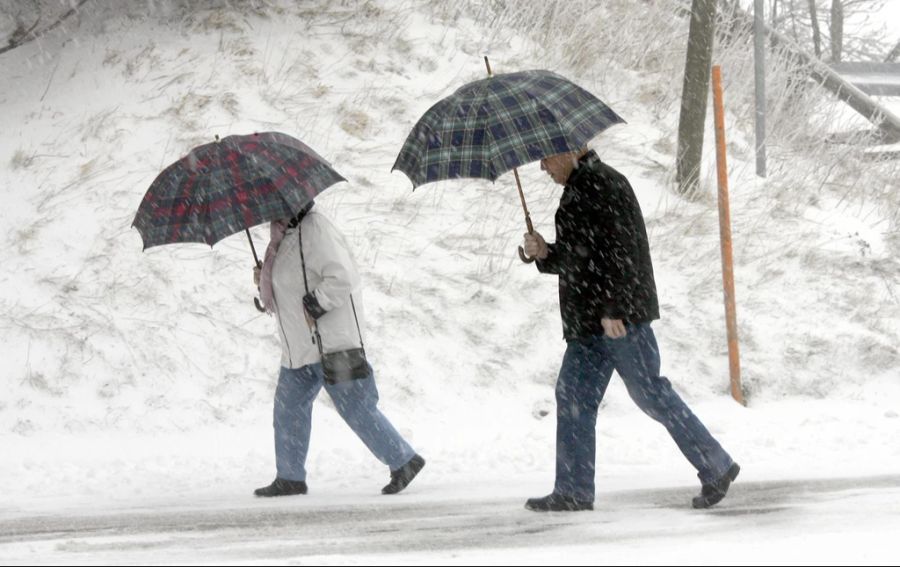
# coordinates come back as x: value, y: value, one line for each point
x: 734, y: 358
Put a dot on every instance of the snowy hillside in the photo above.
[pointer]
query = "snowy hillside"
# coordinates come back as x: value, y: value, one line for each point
x: 137, y: 378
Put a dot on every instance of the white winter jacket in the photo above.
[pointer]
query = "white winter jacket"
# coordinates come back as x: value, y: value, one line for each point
x: 332, y: 275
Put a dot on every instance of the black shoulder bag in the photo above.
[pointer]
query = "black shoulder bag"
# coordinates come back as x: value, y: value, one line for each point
x: 342, y: 365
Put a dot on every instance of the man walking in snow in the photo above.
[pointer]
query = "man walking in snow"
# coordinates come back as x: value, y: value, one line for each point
x: 607, y: 297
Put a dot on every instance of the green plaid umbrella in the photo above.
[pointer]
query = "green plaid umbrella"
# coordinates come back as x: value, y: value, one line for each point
x: 493, y: 125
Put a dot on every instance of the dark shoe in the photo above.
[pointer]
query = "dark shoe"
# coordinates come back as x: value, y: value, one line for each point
x: 712, y: 494
x: 557, y: 503
x: 401, y: 477
x: 282, y: 487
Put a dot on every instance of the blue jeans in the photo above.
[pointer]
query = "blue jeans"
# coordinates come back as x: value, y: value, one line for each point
x: 586, y: 370
x: 356, y: 402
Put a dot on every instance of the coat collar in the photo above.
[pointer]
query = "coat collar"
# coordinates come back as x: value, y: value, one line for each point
x: 586, y: 160
x: 295, y: 221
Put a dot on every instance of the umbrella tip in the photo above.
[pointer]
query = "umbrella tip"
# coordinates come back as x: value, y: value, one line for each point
x: 217, y: 137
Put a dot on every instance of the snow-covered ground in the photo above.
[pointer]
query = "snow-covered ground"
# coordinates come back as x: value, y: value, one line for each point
x: 136, y: 414
x: 775, y: 523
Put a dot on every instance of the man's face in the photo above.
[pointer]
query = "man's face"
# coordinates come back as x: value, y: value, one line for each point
x: 560, y: 166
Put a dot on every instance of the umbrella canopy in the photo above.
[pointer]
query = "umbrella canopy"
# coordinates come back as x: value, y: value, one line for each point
x: 493, y: 125
x: 230, y: 185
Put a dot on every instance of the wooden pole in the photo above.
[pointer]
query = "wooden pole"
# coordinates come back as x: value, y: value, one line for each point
x: 734, y: 361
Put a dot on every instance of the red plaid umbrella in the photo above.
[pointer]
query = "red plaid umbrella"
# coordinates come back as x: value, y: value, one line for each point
x: 230, y: 185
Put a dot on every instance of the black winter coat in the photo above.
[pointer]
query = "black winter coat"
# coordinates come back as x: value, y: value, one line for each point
x: 601, y: 253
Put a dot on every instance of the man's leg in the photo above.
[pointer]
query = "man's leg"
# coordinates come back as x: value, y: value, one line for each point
x: 582, y: 382
x: 637, y: 361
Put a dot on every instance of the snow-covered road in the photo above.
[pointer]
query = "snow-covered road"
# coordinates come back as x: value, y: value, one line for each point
x: 829, y: 521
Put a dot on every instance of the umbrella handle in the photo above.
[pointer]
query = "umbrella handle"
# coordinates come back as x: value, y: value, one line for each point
x: 259, y: 264
x: 258, y: 305
x: 523, y: 257
x: 528, y: 223
x: 256, y: 302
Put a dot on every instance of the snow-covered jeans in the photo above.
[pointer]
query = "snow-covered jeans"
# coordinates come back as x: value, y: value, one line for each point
x: 356, y: 401
x: 586, y: 370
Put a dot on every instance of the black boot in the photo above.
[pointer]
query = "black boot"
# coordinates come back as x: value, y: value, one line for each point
x: 401, y: 477
x: 558, y: 503
x: 712, y: 494
x: 282, y: 487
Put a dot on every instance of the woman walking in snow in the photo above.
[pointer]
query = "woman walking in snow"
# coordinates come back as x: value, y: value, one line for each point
x: 311, y: 283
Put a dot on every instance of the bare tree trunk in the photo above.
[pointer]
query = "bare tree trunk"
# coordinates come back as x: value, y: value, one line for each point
x: 774, y: 20
x: 759, y: 67
x: 691, y: 123
x: 894, y: 54
x: 837, y: 30
x: 792, y: 14
x: 817, y: 32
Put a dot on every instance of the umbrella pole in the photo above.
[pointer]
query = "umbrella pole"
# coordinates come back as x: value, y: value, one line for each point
x: 256, y: 302
x: 253, y: 248
x: 524, y: 205
x: 528, y: 224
